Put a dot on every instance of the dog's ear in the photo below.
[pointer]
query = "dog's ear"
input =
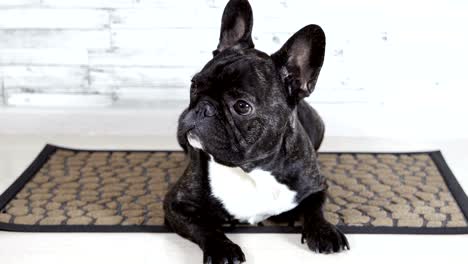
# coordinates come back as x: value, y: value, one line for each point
x: 299, y: 61
x: 236, y: 26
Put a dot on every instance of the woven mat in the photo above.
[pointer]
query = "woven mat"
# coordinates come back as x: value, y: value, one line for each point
x: 66, y: 190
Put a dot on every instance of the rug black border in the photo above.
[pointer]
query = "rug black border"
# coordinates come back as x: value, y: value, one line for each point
x: 452, y: 183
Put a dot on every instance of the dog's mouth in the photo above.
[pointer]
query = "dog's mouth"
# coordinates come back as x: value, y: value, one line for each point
x: 194, y: 140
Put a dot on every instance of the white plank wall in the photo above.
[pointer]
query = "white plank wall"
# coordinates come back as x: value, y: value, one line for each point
x: 382, y: 53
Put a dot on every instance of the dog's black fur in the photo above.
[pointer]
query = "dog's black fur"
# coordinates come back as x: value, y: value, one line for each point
x: 280, y: 134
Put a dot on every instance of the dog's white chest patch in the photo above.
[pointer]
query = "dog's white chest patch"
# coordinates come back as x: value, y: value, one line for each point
x: 250, y: 197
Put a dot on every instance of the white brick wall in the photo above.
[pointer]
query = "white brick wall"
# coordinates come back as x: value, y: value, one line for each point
x: 107, y: 52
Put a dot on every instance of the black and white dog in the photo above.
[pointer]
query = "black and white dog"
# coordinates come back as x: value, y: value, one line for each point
x: 252, y: 140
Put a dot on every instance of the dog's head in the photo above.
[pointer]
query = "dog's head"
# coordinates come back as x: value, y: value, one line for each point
x: 243, y: 99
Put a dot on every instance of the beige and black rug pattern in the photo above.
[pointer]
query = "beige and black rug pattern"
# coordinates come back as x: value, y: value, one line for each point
x: 388, y: 190
x: 126, y: 188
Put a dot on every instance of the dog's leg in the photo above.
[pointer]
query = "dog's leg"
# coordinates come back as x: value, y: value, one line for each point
x: 187, y: 220
x: 320, y: 235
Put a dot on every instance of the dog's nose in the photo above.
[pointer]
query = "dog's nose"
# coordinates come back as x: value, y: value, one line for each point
x: 206, y: 109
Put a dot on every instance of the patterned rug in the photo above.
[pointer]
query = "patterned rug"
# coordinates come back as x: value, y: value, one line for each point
x: 68, y: 190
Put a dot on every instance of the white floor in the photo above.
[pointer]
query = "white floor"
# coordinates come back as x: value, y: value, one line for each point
x: 17, y: 151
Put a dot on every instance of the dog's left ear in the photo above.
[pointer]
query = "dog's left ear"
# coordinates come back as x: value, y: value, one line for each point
x: 236, y: 26
x: 299, y: 61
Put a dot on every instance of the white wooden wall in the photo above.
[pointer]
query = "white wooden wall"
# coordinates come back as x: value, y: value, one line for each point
x: 385, y: 56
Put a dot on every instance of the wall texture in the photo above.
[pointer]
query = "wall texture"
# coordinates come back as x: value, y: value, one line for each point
x: 393, y: 55
x: 111, y: 51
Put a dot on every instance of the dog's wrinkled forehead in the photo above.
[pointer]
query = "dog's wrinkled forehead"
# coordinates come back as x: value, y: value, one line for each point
x: 235, y: 68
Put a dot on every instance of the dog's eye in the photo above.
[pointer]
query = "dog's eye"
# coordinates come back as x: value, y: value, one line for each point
x: 242, y: 107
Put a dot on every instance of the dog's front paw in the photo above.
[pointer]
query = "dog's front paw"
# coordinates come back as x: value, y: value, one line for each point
x: 324, y: 238
x: 222, y: 251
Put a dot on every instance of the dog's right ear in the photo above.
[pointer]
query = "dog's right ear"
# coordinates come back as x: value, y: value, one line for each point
x: 236, y: 26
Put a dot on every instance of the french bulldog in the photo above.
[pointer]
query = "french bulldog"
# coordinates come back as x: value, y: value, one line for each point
x: 251, y: 140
